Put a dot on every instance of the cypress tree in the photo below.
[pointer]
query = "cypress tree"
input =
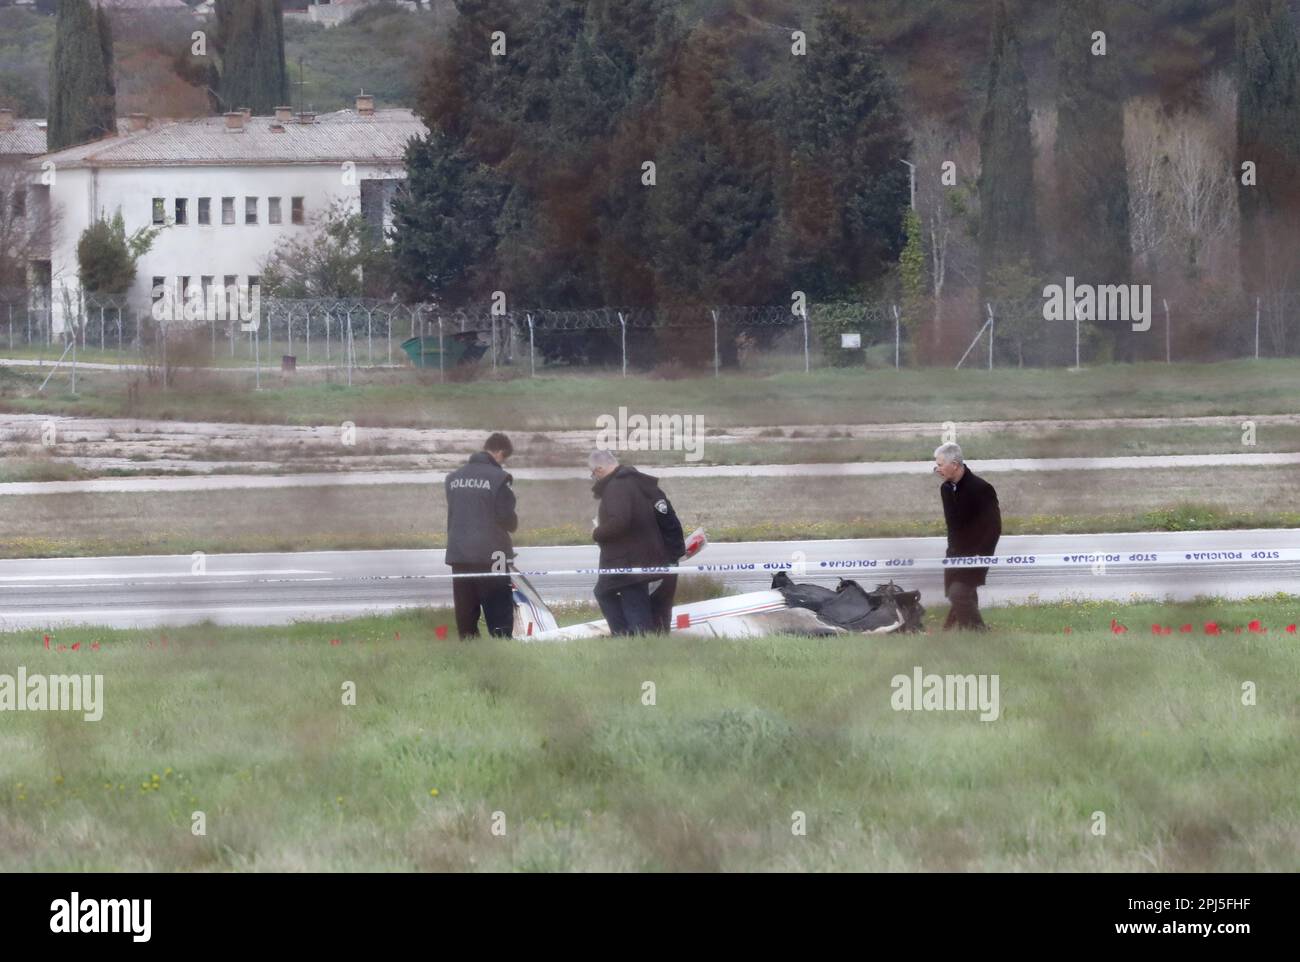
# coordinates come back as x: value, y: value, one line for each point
x: 83, y: 102
x: 250, y: 42
x: 1268, y: 135
x: 1008, y: 232
x: 1091, y: 174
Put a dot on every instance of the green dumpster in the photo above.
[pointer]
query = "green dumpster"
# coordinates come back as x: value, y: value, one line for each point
x: 459, y: 348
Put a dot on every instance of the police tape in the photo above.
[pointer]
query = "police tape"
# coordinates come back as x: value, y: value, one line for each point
x: 810, y: 569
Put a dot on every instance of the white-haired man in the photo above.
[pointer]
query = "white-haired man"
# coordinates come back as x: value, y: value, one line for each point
x: 974, y: 520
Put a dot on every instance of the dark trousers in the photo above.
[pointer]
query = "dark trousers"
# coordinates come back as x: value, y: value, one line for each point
x: 490, y: 593
x: 661, y: 603
x: 627, y: 610
x: 965, y: 610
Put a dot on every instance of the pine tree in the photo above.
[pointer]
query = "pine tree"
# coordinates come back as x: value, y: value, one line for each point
x: 1008, y: 232
x: 1268, y: 135
x: 1092, y: 178
x: 82, y: 96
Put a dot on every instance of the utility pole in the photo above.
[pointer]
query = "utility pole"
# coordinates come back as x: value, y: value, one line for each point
x: 300, y: 83
x: 911, y: 171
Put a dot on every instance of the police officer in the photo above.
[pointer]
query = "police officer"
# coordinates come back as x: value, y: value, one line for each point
x: 974, y: 520
x: 662, y: 593
x: 480, y: 519
x: 629, y: 536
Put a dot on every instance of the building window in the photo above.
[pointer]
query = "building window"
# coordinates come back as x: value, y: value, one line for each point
x: 227, y: 210
x: 250, y: 210
x: 295, y: 210
x: 205, y: 210
x: 254, y: 280
x: 20, y: 202
x: 159, y: 211
x: 182, y: 210
x: 273, y: 210
x: 205, y: 285
x: 157, y: 288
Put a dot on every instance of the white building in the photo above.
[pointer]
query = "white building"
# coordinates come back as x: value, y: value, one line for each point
x: 224, y: 189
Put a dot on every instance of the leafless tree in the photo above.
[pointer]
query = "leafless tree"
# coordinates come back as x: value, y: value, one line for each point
x: 945, y: 210
x: 26, y: 223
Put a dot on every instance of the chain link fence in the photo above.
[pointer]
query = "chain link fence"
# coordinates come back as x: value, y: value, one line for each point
x: 348, y: 333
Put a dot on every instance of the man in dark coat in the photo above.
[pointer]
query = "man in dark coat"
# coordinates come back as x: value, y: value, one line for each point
x: 664, y: 591
x: 480, y: 519
x: 970, y: 509
x: 627, y: 531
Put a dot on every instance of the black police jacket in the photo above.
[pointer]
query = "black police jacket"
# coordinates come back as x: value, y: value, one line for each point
x: 480, y: 512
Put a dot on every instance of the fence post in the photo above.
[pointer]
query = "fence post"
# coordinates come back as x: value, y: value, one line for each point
x: 622, y: 323
x: 897, y: 336
x: 349, y: 348
x: 532, y: 358
x: 257, y: 358
x: 990, y: 307
x: 441, y: 373
x: 1166, y: 303
x: 494, y: 341
x: 807, y: 361
x: 715, y: 342
x: 1257, y: 327
x: 101, y: 327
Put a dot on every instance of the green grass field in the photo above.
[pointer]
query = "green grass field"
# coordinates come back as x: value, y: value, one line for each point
x: 574, y: 399
x: 248, y: 727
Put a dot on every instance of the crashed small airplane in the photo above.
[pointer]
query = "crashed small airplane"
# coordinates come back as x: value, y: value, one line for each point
x: 786, y: 609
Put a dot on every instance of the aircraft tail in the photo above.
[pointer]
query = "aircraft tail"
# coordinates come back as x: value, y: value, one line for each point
x: 531, y: 613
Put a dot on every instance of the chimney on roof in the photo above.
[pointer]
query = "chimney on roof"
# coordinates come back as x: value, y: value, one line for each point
x: 276, y: 127
x: 137, y: 122
x: 6, y: 118
x: 307, y: 117
x: 246, y: 111
x: 366, y: 104
x: 234, y: 121
x: 283, y: 114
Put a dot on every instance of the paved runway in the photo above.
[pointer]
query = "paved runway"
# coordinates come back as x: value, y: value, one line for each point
x: 285, y: 587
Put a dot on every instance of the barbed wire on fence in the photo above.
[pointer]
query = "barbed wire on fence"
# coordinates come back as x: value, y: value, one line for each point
x: 338, y: 331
